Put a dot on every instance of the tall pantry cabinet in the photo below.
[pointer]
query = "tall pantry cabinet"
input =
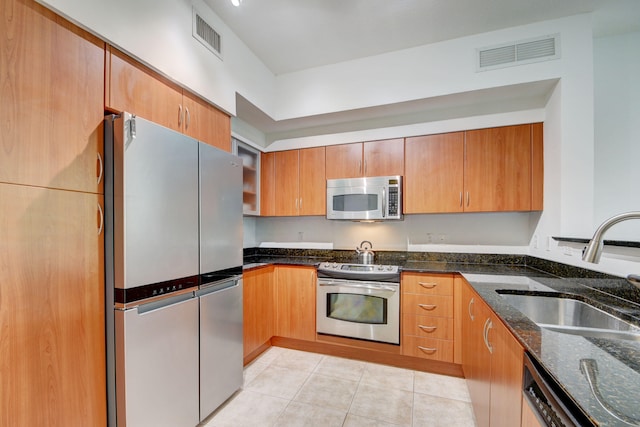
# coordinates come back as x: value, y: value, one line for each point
x: 52, y: 354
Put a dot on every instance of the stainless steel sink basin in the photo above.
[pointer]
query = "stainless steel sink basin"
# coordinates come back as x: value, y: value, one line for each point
x: 571, y: 316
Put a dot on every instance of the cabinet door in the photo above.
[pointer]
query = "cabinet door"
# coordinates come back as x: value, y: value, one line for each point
x: 51, y: 106
x: 286, y: 183
x: 497, y: 166
x: 313, y: 187
x: 506, y: 376
x: 434, y: 173
x: 206, y: 123
x: 258, y: 303
x: 537, y: 167
x: 52, y: 315
x: 137, y: 90
x: 296, y: 303
x: 344, y: 161
x: 267, y: 184
x: 383, y: 158
x: 476, y: 359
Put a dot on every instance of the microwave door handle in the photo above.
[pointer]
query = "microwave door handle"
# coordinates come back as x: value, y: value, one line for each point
x: 384, y: 202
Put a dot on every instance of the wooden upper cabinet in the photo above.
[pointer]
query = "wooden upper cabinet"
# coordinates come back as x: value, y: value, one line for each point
x: 138, y: 90
x: 384, y: 158
x: 537, y: 167
x: 344, y: 161
x: 51, y: 92
x: 434, y: 173
x: 311, y: 175
x: 498, y: 169
x: 206, y: 123
x: 286, y: 183
x: 267, y: 184
x: 374, y: 158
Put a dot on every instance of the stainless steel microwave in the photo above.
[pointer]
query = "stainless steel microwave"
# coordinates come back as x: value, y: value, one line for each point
x: 372, y: 198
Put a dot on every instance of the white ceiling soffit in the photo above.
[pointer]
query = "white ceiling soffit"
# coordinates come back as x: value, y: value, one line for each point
x: 480, y: 102
x: 291, y: 35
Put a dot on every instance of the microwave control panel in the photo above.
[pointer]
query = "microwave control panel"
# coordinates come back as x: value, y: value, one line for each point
x: 393, y: 201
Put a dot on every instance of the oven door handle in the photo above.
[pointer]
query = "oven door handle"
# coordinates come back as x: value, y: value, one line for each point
x: 359, y: 286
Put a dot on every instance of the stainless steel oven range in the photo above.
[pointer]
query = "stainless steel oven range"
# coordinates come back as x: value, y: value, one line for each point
x: 359, y: 301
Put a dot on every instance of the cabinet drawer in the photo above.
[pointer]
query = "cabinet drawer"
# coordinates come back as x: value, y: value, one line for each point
x: 430, y: 284
x: 427, y: 348
x: 427, y: 326
x: 427, y: 305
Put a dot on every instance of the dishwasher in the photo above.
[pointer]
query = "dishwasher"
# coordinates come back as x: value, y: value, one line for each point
x: 221, y: 346
x: 157, y: 355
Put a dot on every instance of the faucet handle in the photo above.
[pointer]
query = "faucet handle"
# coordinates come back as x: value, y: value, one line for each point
x: 634, y: 279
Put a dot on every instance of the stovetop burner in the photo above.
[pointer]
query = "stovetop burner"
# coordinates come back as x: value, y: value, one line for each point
x: 371, y: 272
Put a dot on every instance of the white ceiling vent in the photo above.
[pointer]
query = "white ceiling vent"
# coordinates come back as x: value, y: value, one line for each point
x: 518, y: 53
x: 206, y: 34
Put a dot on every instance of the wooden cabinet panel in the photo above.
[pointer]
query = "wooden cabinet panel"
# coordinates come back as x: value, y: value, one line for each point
x: 139, y: 91
x: 206, y: 123
x: 427, y: 326
x: 258, y: 306
x: 51, y: 92
x: 497, y: 169
x: 427, y: 284
x: 311, y: 174
x: 493, y: 368
x: 344, y: 161
x: 296, y: 303
x: 267, y: 184
x: 52, y: 318
x: 428, y: 348
x: 286, y: 183
x: 383, y: 158
x: 427, y: 305
x: 373, y: 158
x: 537, y: 167
x: 506, y: 376
x: 529, y: 418
x: 434, y: 173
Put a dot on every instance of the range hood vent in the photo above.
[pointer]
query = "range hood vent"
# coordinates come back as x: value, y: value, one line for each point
x: 519, y: 53
x: 206, y: 34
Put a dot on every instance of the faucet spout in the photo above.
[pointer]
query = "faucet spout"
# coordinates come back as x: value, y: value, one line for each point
x: 593, y: 250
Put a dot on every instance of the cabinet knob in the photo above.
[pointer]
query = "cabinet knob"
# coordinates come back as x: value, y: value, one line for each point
x: 427, y: 350
x: 428, y: 328
x: 428, y: 285
x: 100, y: 168
x: 427, y: 306
x: 101, y: 221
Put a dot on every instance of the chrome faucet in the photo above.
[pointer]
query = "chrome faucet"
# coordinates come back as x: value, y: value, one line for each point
x: 593, y: 250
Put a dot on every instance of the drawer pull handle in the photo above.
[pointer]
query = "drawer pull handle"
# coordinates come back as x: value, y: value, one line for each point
x: 427, y: 306
x: 427, y: 285
x: 428, y: 350
x: 428, y: 328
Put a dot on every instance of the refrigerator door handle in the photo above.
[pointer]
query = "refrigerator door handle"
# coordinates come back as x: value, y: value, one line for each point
x: 164, y: 303
x: 219, y: 286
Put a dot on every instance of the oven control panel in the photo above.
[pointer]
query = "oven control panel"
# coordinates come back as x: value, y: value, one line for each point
x: 364, y: 268
x: 363, y: 272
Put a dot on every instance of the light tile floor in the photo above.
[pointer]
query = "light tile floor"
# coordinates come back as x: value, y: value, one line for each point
x: 286, y: 387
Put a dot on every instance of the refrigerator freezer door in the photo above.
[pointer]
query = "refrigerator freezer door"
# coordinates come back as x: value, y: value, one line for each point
x: 220, y: 344
x: 220, y: 210
x: 156, y: 203
x: 157, y: 354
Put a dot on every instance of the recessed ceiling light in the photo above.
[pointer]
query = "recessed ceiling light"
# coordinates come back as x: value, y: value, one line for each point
x: 236, y: 3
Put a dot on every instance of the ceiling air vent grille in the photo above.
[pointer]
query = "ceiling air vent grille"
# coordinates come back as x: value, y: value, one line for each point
x: 206, y: 34
x: 518, y: 53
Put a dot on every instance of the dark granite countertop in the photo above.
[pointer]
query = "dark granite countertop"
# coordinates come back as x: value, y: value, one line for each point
x: 617, y: 360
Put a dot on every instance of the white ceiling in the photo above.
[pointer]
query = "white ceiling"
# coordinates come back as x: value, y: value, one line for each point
x: 292, y: 35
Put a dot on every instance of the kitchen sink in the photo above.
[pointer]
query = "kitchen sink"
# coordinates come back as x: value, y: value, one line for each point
x: 571, y: 316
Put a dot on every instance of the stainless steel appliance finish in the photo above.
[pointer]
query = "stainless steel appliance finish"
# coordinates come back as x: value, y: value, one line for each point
x: 220, y: 293
x: 359, y: 301
x: 365, y: 199
x: 365, y: 253
x: 157, y: 360
x: 221, y: 343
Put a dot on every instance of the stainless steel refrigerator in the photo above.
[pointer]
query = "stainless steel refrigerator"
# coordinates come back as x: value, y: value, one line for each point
x: 157, y: 292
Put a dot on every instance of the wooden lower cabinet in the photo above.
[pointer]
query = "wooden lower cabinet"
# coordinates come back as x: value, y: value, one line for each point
x: 492, y: 361
x: 52, y: 308
x: 295, y: 298
x: 529, y: 417
x: 258, y: 308
x: 427, y: 316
